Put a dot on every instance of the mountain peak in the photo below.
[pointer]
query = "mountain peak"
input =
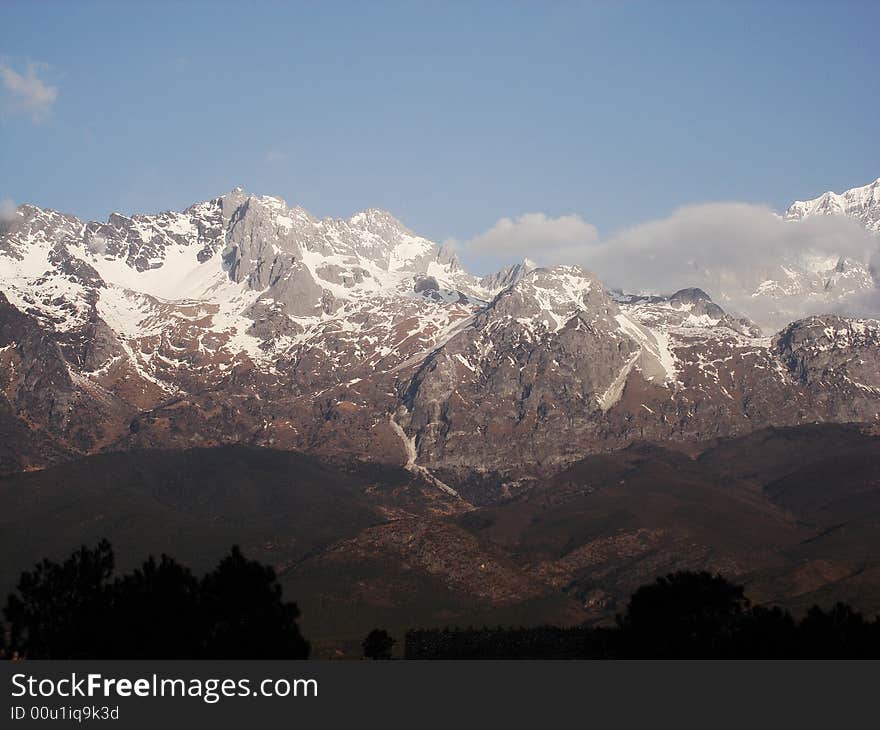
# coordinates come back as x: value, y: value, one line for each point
x: 371, y: 218
x: 553, y: 295
x: 508, y: 276
x: 861, y: 203
x: 691, y: 294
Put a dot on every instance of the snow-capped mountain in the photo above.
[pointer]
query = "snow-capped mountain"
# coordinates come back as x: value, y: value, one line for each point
x: 861, y: 203
x: 242, y: 319
x: 260, y: 277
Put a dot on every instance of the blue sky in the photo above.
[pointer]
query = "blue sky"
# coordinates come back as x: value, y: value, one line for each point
x: 451, y: 115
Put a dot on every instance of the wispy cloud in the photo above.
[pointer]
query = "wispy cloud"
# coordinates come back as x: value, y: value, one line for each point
x: 275, y: 156
x: 26, y: 92
x: 7, y: 209
x: 728, y: 243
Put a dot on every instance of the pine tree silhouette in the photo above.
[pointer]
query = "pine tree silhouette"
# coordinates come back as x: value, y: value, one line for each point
x: 74, y: 610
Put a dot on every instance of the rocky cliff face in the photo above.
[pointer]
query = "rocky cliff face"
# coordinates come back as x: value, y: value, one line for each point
x: 545, y: 353
x: 244, y: 320
x: 837, y: 361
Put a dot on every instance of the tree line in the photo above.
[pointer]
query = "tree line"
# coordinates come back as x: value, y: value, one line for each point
x: 684, y: 615
x: 79, y: 609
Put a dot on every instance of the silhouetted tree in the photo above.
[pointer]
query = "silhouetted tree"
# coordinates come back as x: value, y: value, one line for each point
x: 378, y: 644
x: 156, y: 613
x: 61, y: 611
x: 684, y: 614
x: 245, y: 613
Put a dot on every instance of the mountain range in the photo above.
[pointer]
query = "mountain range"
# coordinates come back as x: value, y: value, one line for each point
x: 243, y: 320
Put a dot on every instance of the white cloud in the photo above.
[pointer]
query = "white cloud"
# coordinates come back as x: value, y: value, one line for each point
x: 535, y: 234
x: 733, y: 243
x: 727, y: 249
x: 26, y: 92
